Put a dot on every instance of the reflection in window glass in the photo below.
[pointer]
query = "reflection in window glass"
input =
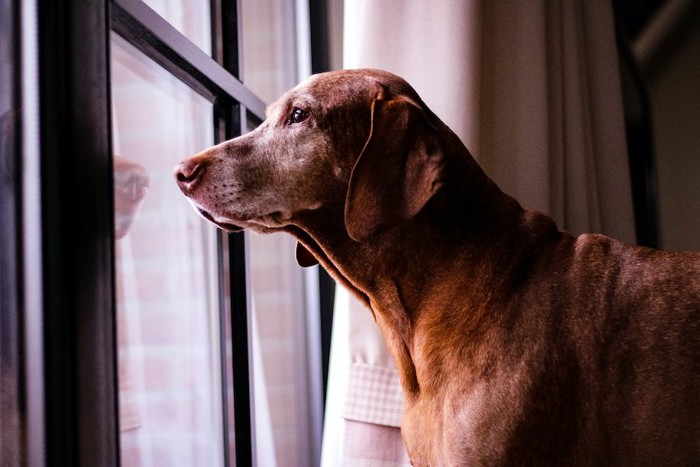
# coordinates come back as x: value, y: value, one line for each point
x: 191, y: 18
x: 169, y: 363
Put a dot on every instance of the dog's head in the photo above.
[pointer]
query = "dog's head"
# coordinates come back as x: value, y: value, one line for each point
x: 359, y: 139
x: 131, y: 181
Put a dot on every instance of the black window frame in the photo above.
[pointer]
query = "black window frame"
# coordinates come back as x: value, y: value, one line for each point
x: 77, y: 240
x: 77, y: 254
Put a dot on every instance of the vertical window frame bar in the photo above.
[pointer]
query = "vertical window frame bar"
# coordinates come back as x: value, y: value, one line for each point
x: 77, y: 234
x: 241, y: 308
x: 320, y: 62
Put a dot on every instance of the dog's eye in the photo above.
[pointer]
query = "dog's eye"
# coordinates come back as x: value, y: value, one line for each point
x: 297, y: 116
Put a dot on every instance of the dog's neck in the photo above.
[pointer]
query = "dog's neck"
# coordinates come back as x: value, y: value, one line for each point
x: 465, y: 231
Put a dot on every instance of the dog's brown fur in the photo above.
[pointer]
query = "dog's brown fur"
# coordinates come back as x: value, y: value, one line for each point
x: 516, y: 344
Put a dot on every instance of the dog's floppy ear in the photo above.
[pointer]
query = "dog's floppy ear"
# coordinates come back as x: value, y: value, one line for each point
x: 304, y: 257
x: 398, y: 171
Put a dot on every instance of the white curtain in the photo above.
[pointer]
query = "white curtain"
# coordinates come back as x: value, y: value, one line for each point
x: 532, y: 88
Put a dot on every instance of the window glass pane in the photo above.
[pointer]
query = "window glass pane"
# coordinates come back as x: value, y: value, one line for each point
x: 168, y: 329
x: 285, y: 389
x: 191, y: 17
x: 269, y: 52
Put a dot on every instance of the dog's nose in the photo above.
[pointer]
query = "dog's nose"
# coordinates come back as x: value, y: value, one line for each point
x: 187, y: 172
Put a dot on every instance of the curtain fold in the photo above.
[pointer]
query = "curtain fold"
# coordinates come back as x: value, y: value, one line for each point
x: 532, y: 88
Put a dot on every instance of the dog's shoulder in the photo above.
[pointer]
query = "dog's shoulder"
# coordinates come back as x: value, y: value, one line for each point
x: 637, y: 279
x: 600, y: 251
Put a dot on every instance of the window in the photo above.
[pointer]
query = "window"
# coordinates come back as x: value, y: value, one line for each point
x: 174, y: 343
x: 158, y: 339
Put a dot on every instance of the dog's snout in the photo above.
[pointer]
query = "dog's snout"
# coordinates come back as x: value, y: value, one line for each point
x: 188, y: 171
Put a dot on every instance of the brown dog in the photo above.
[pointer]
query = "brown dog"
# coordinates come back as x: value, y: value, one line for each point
x: 516, y: 344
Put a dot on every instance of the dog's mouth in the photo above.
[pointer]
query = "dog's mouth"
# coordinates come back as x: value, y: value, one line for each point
x: 236, y: 222
x: 222, y: 225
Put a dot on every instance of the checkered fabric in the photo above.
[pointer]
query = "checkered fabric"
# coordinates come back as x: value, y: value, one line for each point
x: 374, y: 395
x: 369, y: 445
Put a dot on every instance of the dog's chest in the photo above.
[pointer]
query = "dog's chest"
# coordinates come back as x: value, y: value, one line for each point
x: 460, y: 426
